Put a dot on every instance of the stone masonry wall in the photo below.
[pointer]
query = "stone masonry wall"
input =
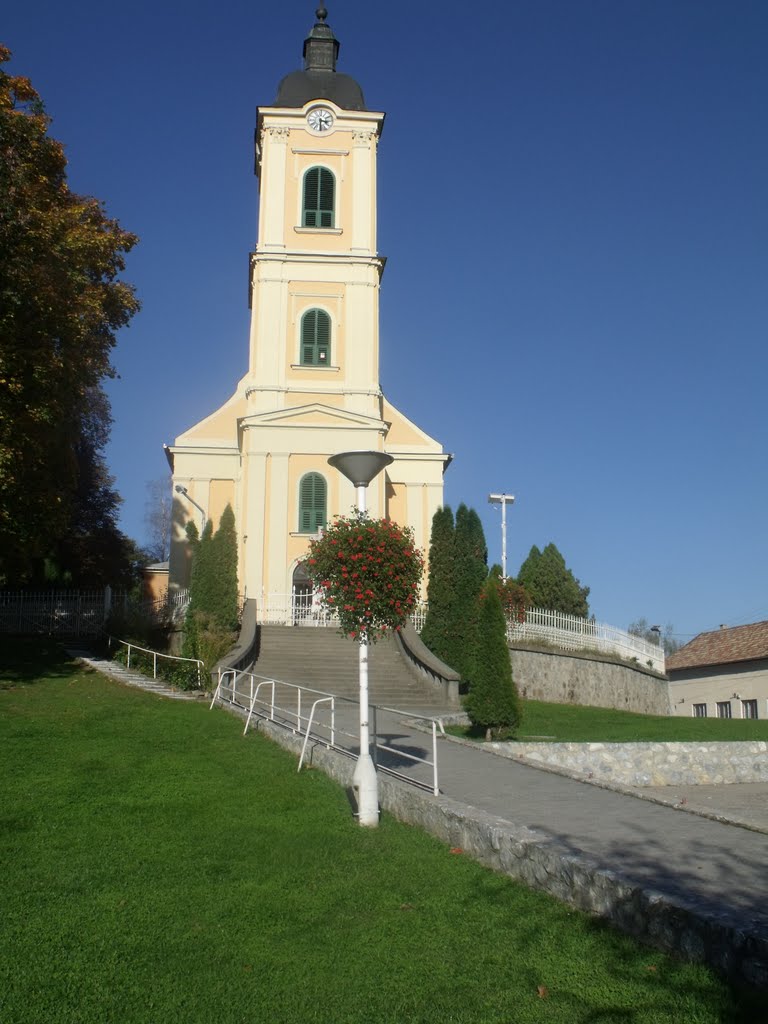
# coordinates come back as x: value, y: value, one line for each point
x: 542, y: 862
x: 649, y: 764
x: 574, y: 678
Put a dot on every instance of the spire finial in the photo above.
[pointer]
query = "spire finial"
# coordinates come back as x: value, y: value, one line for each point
x: 321, y: 48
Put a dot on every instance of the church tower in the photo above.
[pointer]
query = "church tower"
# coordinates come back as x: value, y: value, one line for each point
x: 312, y: 387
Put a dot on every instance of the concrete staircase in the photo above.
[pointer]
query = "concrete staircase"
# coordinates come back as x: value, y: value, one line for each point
x: 319, y: 657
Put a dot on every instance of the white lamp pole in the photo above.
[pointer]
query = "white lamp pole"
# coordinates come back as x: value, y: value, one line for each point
x: 503, y: 500
x: 360, y: 468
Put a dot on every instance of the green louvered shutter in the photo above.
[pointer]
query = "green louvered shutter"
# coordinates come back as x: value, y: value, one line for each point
x: 312, y: 500
x: 326, y: 205
x: 316, y: 338
x: 319, y: 198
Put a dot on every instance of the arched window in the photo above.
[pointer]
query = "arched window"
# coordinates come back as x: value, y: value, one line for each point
x: 319, y: 198
x: 312, y: 501
x: 316, y: 338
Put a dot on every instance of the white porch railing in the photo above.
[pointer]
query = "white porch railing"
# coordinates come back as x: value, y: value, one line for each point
x: 572, y: 633
x: 327, y: 719
x: 300, y: 608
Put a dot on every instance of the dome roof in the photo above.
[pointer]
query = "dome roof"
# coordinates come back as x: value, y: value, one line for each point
x: 320, y: 79
x: 299, y: 87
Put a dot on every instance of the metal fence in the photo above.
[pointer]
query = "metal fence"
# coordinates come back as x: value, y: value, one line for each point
x: 572, y: 633
x: 58, y: 612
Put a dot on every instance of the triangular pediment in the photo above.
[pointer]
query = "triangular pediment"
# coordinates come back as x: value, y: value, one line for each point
x: 313, y: 415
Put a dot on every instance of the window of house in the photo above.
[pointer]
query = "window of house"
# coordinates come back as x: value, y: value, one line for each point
x: 312, y: 503
x: 724, y: 709
x: 699, y: 710
x: 749, y: 708
x: 319, y: 198
x: 316, y: 338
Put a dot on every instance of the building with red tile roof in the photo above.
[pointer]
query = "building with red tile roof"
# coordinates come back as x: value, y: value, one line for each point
x: 722, y: 673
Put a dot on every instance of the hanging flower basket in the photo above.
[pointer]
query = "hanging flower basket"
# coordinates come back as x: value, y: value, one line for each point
x: 368, y: 573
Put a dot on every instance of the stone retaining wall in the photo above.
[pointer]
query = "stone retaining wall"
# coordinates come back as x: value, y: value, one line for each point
x: 563, y: 677
x: 680, y: 925
x: 649, y: 764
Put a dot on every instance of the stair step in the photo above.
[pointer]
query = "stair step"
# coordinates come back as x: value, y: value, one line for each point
x: 325, y: 660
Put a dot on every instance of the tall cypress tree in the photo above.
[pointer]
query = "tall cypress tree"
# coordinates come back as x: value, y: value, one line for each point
x: 223, y: 599
x: 471, y: 570
x: 493, y: 703
x: 437, y: 633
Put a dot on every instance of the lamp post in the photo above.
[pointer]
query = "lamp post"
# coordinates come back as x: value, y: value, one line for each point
x: 503, y: 500
x: 201, y: 510
x: 360, y: 468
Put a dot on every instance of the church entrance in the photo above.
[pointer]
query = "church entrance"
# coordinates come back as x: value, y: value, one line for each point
x: 301, y: 596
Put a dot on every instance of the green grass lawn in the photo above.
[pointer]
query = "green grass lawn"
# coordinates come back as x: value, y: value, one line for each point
x: 157, y: 868
x: 570, y: 723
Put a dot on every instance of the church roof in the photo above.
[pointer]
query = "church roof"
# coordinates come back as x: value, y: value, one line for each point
x: 320, y: 79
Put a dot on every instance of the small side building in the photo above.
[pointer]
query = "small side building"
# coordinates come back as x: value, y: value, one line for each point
x: 722, y: 674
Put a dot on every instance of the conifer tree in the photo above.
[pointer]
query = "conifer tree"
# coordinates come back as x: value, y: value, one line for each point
x: 223, y: 597
x: 437, y: 633
x: 470, y: 572
x: 549, y: 583
x: 197, y: 588
x: 493, y: 703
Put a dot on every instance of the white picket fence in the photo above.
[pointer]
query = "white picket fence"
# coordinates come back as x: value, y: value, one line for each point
x: 572, y: 633
x: 567, y: 632
x: 57, y: 612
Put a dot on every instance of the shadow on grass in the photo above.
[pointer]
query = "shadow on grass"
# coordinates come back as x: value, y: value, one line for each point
x: 30, y: 659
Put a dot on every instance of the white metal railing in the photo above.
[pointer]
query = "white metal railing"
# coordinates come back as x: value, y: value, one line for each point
x: 303, y: 609
x: 171, y: 606
x: 298, y: 708
x: 300, y: 608
x: 568, y: 632
x: 573, y: 633
x: 155, y: 655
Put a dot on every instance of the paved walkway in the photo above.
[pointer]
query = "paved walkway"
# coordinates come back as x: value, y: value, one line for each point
x: 713, y: 869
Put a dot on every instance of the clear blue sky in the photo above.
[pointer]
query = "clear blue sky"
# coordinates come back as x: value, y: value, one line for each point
x: 580, y: 315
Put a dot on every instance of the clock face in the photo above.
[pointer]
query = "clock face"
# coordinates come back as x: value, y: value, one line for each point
x: 320, y: 119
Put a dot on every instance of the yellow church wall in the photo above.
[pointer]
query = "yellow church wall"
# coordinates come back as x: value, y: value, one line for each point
x: 220, y: 425
x: 307, y: 152
x: 220, y: 494
x: 328, y: 296
x: 397, y: 505
x: 402, y: 431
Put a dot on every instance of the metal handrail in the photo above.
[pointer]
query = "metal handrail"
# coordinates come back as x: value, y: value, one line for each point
x: 155, y: 656
x: 270, y: 707
x: 320, y: 700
